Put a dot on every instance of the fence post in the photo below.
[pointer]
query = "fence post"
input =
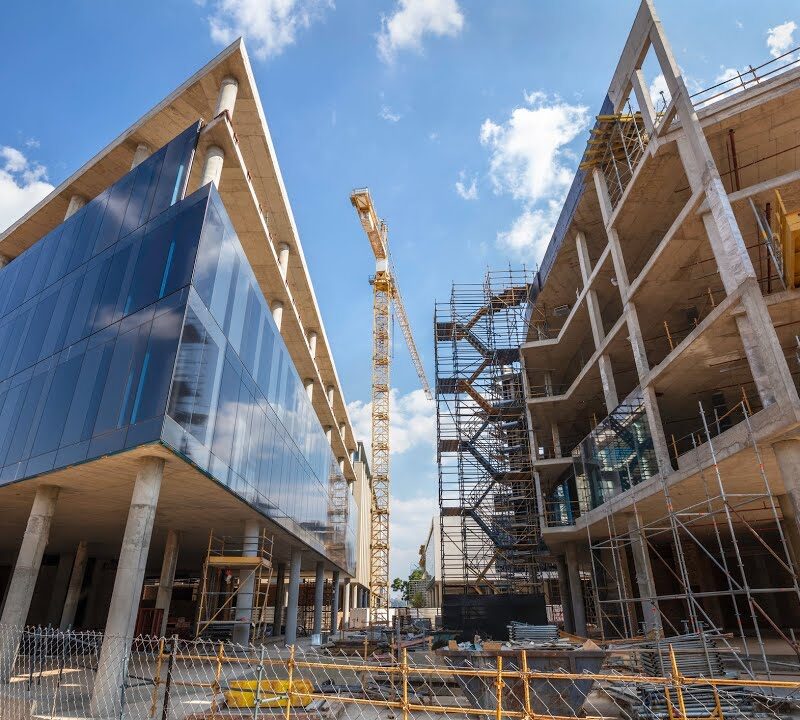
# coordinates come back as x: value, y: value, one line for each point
x: 173, y: 648
x: 499, y: 685
x: 404, y: 671
x: 678, y: 680
x: 217, y: 676
x: 289, y: 683
x: 157, y: 677
x: 526, y: 690
x: 259, y: 678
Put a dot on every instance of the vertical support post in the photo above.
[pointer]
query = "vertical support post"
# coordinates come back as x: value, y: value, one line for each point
x: 26, y: 571
x: 289, y: 684
x: 280, y: 595
x: 346, y: 605
x: 75, y: 584
x: 404, y: 675
x: 167, y: 578
x: 112, y: 666
x: 245, y: 598
x: 335, y: 602
x: 319, y: 599
x: 526, y: 688
x: 499, y: 689
x: 294, y: 596
x: 576, y: 590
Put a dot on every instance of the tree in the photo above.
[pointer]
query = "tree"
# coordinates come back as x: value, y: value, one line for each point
x: 401, y: 586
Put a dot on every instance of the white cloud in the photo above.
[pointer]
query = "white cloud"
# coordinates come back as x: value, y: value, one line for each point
x: 412, y: 19
x: 386, y: 113
x: 739, y: 24
x: 412, y: 421
x: 780, y: 38
x: 468, y: 191
x: 22, y: 184
x: 409, y: 522
x: 269, y: 26
x: 532, y: 162
x: 657, y: 87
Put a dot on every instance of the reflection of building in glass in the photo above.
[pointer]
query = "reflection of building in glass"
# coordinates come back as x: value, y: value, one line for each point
x: 164, y: 372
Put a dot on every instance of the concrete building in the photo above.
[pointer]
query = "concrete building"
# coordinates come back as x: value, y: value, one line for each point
x: 164, y: 371
x: 661, y: 357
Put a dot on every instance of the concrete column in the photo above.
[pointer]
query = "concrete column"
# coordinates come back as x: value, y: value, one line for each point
x: 346, y: 604
x: 644, y: 578
x: 595, y: 318
x: 58, y: 591
x: 308, y: 384
x: 329, y: 392
x: 294, y: 596
x: 283, y: 259
x: 247, y: 585
x: 354, y: 591
x: 76, y: 202
x: 787, y: 453
x: 112, y: 666
x: 277, y: 313
x: 583, y: 257
x: 576, y: 590
x: 556, y: 439
x: 342, y: 430
x: 167, y: 579
x: 312, y: 343
x: 228, y: 90
x: 75, y: 584
x: 4, y: 260
x: 329, y: 434
x: 563, y: 591
x: 212, y: 170
x: 23, y: 581
x: 341, y: 465
x: 645, y: 102
x: 280, y: 596
x: 335, y: 602
x: 319, y: 596
x: 141, y: 154
x: 608, y: 382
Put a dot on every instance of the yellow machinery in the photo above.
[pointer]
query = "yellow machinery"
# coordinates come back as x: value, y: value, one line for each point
x: 385, y: 292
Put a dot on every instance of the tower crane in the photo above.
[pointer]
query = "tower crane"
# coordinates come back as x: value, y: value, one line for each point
x: 386, y: 294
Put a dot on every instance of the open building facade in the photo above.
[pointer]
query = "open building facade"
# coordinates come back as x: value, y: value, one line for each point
x: 164, y: 371
x: 661, y: 359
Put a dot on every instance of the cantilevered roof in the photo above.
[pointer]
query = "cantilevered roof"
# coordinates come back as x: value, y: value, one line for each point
x: 254, y: 151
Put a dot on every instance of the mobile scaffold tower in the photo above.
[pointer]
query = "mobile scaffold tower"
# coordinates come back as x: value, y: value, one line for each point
x: 488, y: 516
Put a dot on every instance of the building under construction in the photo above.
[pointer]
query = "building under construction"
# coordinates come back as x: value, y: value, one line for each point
x: 489, y: 524
x: 661, y: 363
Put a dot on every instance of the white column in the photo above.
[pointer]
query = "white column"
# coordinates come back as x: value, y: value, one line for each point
x: 312, y: 343
x: 346, y: 604
x: 335, y: 602
x: 308, y: 384
x: 76, y: 202
x: 283, y: 259
x: 112, y: 666
x: 341, y: 465
x: 212, y: 170
x: 329, y: 391
x: 228, y: 90
x: 277, y: 313
x: 294, y: 596
x: 140, y: 155
x: 329, y: 434
x: 342, y: 430
x: 319, y: 597
x: 23, y: 581
x: 75, y: 584
x: 167, y: 579
x: 247, y: 587
x: 280, y: 597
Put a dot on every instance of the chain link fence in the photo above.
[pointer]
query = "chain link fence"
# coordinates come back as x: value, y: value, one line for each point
x: 55, y: 676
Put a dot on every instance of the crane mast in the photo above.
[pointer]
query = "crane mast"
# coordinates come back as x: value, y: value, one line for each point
x: 385, y: 292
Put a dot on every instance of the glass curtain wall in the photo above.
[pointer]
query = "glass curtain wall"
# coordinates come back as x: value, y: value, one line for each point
x: 89, y: 320
x: 139, y: 320
x: 238, y: 408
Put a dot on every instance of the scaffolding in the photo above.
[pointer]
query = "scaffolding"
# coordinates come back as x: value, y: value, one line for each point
x: 720, y: 559
x: 488, y: 517
x: 234, y: 588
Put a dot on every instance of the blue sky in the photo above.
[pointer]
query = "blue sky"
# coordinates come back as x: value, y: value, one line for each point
x: 465, y: 118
